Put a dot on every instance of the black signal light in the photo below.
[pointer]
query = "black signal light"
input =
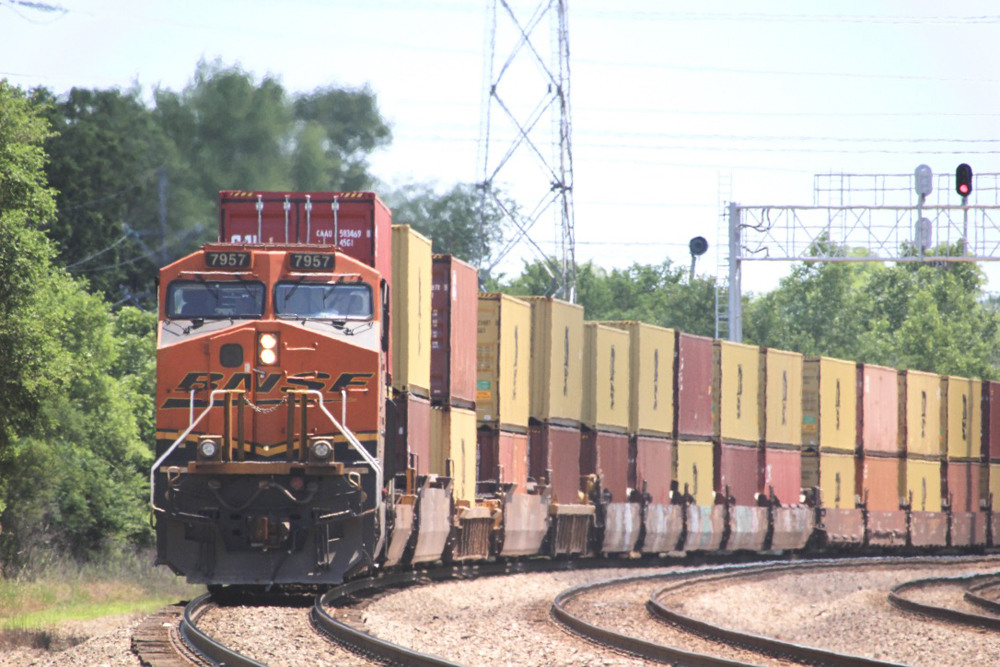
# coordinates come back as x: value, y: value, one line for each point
x: 963, y: 180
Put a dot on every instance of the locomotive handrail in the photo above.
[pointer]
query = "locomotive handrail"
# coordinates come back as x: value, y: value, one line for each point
x: 179, y: 440
x: 360, y: 449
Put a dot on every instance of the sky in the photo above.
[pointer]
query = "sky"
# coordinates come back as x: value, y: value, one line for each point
x: 675, y: 107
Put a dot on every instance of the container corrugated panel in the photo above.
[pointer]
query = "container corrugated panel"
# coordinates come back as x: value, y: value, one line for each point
x: 654, y: 467
x: 994, y: 485
x: 695, y: 471
x: 736, y: 392
x: 829, y: 404
x: 739, y: 470
x: 555, y: 455
x: 781, y: 407
x: 963, y: 486
x: 454, y: 438
x: 991, y: 421
x: 651, y: 376
x: 877, y: 482
x: 556, y: 360
x: 503, y: 360
x: 609, y: 455
x: 413, y: 426
x: 960, y: 407
x: 878, y: 409
x: 411, y: 311
x: 693, y: 365
x: 454, y: 304
x: 836, y: 480
x: 782, y: 470
x: 920, y: 484
x: 503, y: 457
x: 605, y: 378
x: 920, y: 414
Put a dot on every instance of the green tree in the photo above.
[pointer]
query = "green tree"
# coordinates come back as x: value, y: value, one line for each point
x: 460, y: 221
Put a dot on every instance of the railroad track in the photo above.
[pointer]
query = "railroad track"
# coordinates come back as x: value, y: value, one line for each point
x: 757, y: 644
x: 209, y: 651
x: 972, y: 587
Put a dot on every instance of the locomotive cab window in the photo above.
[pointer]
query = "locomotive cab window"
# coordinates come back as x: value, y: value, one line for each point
x: 326, y: 301
x: 215, y: 300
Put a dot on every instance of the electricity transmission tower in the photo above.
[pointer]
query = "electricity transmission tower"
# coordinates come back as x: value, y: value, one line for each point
x: 525, y: 137
x: 915, y: 217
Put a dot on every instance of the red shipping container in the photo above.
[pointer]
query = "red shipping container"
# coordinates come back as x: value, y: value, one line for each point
x: 739, y: 468
x: 991, y: 421
x: 878, y: 476
x: 878, y: 408
x: 413, y: 432
x: 782, y: 472
x: 606, y: 454
x: 694, y: 365
x: 454, y: 308
x: 963, y: 486
x: 654, y: 467
x: 503, y: 452
x: 363, y: 223
x: 556, y: 449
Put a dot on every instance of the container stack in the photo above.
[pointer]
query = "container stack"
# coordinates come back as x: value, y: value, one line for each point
x: 961, y: 419
x: 829, y: 436
x: 411, y: 348
x: 556, y: 396
x: 503, y: 359
x: 880, y: 460
x: 920, y: 438
x: 695, y: 469
x: 990, y: 471
x: 781, y: 422
x: 737, y: 395
x: 651, y: 431
x: 604, y: 443
x: 454, y: 304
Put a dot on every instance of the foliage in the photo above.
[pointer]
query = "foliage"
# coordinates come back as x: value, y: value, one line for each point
x: 657, y: 294
x: 911, y: 315
x: 460, y: 222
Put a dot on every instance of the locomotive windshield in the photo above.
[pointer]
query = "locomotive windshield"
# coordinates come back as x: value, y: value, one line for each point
x: 215, y: 300
x: 337, y: 301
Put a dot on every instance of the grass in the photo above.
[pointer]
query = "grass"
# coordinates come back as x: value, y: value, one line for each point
x: 37, y: 604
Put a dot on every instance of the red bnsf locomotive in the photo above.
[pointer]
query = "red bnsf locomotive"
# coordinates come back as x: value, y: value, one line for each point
x: 271, y: 385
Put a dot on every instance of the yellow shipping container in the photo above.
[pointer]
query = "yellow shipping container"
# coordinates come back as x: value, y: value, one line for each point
x: 920, y: 413
x: 922, y: 478
x: 961, y: 414
x: 453, y: 437
x: 556, y: 360
x: 695, y: 470
x: 411, y: 311
x: 503, y: 359
x: 605, y: 378
x: 651, y: 375
x: 829, y: 404
x: 781, y: 405
x: 735, y: 393
x: 836, y: 479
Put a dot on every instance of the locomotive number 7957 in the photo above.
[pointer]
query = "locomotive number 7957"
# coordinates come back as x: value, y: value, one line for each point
x: 301, y: 260
x: 227, y: 259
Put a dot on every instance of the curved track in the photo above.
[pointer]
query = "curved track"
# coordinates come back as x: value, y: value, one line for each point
x: 748, y: 641
x: 207, y: 648
x: 898, y: 600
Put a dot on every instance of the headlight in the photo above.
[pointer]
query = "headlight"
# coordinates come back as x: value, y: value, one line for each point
x: 322, y: 450
x: 267, y: 349
x: 207, y: 449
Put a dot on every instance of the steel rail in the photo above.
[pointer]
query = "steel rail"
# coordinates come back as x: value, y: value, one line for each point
x: 943, y: 613
x: 203, y: 645
x: 974, y: 596
x: 748, y: 641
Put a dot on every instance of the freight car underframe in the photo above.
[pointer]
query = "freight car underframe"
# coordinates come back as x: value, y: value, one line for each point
x: 268, y: 522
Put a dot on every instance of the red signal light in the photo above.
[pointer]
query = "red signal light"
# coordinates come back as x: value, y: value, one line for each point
x: 963, y: 189
x: 963, y: 180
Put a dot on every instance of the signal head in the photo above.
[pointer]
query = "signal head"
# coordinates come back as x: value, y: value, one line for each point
x: 963, y: 180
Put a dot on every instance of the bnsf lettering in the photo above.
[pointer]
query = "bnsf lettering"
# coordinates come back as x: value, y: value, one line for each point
x: 312, y: 381
x: 317, y: 381
x: 200, y: 381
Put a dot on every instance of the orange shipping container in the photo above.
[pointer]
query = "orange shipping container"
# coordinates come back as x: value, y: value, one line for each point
x: 878, y: 409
